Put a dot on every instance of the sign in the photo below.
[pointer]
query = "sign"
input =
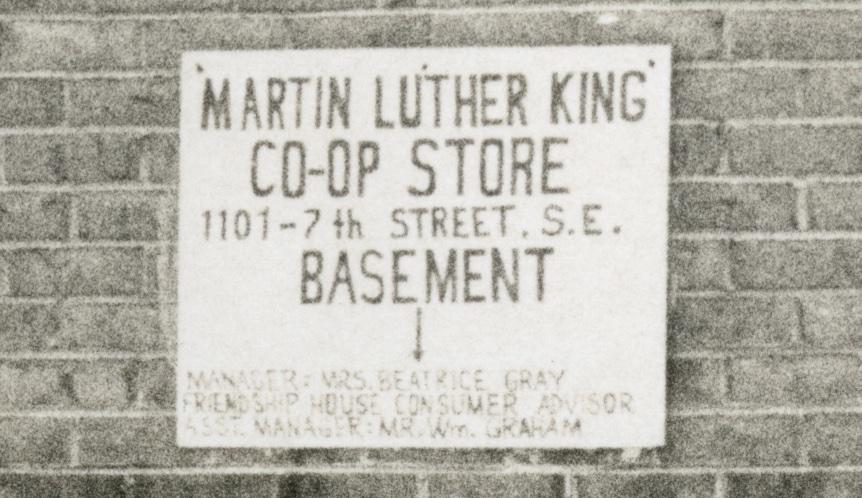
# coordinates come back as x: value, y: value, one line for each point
x: 423, y: 247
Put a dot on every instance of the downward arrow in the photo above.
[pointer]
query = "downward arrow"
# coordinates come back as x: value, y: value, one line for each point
x: 418, y: 352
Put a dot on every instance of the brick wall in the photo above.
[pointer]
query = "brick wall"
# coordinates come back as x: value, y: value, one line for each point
x: 765, y: 320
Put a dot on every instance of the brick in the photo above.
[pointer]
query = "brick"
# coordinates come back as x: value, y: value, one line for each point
x: 164, y: 41
x: 488, y: 29
x: 30, y: 159
x: 694, y: 383
x: 155, y: 385
x: 766, y: 93
x: 50, y: 6
x: 31, y: 216
x: 215, y: 486
x: 800, y: 34
x: 113, y: 216
x: 647, y: 486
x: 694, y: 150
x: 31, y: 386
x: 124, y: 102
x: 87, y: 159
x: 78, y: 272
x: 795, y: 150
x: 699, y: 265
x: 732, y: 323
x: 835, y: 206
x: 732, y: 441
x: 90, y: 486
x: 488, y: 485
x: 69, y: 45
x: 107, y: 327
x: 34, y: 441
x: 694, y: 35
x: 129, y: 442
x: 796, y: 380
x: 26, y: 327
x: 158, y: 156
x: 803, y: 485
x: 397, y: 30
x: 30, y: 485
x: 727, y: 207
x: 158, y: 6
x: 352, y: 485
x: 30, y: 102
x: 832, y: 321
x: 810, y: 264
x: 833, y: 439
x: 304, y: 5
x: 100, y: 386
x: 438, y: 456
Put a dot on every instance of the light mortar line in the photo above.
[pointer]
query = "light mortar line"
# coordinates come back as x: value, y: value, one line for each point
x: 719, y: 65
x: 82, y: 356
x: 797, y: 293
x: 89, y: 130
x: 92, y: 187
x: 767, y: 236
x: 106, y: 244
x: 720, y: 485
x: 167, y: 72
x: 798, y: 181
x: 404, y: 470
x: 78, y: 300
x: 759, y: 353
x: 514, y: 9
x: 802, y: 215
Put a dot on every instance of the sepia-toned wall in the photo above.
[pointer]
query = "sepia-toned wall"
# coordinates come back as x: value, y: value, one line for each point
x: 765, y: 314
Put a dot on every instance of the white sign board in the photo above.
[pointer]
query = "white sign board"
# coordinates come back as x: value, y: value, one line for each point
x: 423, y: 247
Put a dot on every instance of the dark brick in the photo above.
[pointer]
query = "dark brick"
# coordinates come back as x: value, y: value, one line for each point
x: 694, y: 383
x: 155, y: 384
x: 833, y: 439
x: 797, y: 264
x: 100, y: 385
x: 26, y: 327
x: 26, y: 216
x: 727, y: 207
x: 94, y: 486
x: 732, y: 441
x: 33, y: 441
x: 165, y: 40
x: 694, y: 150
x: 798, y: 34
x: 731, y: 323
x: 119, y: 442
x: 803, y: 485
x: 33, y: 385
x: 78, y: 272
x: 31, y: 485
x: 158, y: 6
x: 30, y: 102
x: 112, y: 216
x: 795, y: 150
x: 348, y: 485
x: 694, y: 35
x: 766, y: 93
x: 835, y: 206
x: 95, y: 327
x: 647, y: 486
x: 127, y: 101
x: 699, y: 265
x: 814, y: 380
x: 489, y: 485
x: 34, y: 159
x: 397, y: 30
x: 69, y: 45
x: 216, y: 486
x: 832, y: 321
